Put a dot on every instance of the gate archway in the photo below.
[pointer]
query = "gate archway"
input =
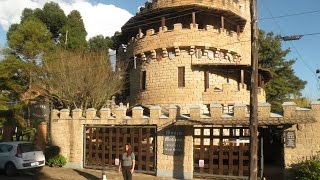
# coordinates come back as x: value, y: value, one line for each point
x: 221, y: 151
x: 104, y: 144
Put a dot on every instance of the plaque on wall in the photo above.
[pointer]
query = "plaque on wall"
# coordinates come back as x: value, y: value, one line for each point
x: 198, y: 53
x: 290, y: 139
x: 210, y: 54
x: 171, y: 55
x: 173, y: 142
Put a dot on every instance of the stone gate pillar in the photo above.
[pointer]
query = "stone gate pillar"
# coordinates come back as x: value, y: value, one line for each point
x: 171, y: 162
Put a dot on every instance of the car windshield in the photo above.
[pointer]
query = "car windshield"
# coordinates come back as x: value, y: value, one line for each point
x: 27, y: 147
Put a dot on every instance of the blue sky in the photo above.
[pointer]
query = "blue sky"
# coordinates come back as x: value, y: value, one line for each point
x: 304, y: 50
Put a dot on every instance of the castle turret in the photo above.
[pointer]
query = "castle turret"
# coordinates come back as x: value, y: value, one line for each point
x: 190, y: 52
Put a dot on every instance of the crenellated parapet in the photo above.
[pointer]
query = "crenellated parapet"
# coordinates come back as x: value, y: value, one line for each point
x: 201, y: 43
x: 159, y: 116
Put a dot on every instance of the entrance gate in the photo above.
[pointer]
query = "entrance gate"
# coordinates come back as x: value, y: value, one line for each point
x: 221, y: 151
x: 104, y: 144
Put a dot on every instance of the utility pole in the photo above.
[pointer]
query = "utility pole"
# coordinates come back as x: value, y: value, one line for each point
x: 253, y: 93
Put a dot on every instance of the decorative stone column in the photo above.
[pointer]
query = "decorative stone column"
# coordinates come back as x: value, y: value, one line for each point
x: 41, y: 136
x: 179, y: 165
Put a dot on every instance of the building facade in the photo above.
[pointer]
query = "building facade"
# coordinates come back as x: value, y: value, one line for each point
x: 188, y: 65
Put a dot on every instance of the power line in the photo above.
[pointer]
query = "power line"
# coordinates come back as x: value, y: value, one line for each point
x: 289, y: 15
x: 111, y: 55
x: 311, y: 34
x: 295, y: 49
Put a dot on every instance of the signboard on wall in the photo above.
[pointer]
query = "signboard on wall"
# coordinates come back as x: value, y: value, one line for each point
x: 290, y: 139
x: 40, y: 110
x: 173, y: 142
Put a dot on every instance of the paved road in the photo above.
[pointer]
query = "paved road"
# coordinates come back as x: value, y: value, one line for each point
x: 73, y: 174
x: 26, y: 176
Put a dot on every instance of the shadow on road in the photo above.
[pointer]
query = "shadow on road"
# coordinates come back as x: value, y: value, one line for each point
x: 87, y: 175
x: 26, y: 176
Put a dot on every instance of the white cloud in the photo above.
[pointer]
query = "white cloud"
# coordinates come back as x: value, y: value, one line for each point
x: 98, y: 18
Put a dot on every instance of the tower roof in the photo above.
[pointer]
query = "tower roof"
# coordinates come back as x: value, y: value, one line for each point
x: 151, y: 14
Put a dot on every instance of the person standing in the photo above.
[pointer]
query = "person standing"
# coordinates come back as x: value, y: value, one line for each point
x: 127, y: 163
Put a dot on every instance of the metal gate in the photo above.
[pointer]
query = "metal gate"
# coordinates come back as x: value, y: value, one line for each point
x: 104, y: 144
x: 221, y: 151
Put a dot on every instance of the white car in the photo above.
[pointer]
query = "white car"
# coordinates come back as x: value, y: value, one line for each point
x: 17, y: 155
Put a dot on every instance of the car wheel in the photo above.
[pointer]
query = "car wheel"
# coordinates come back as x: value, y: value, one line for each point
x: 10, y: 169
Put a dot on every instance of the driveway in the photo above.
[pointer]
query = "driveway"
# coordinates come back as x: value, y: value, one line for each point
x: 49, y: 173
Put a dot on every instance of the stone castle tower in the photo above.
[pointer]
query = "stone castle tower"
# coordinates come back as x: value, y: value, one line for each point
x: 188, y: 64
x: 190, y: 52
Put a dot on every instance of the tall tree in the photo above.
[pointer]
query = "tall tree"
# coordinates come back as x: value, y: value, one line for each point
x: 80, y: 79
x: 54, y: 18
x: 284, y: 83
x: 30, y: 38
x: 73, y: 32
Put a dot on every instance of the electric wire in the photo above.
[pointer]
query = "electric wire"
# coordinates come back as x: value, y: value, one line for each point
x: 228, y: 44
x: 289, y: 15
x: 295, y: 49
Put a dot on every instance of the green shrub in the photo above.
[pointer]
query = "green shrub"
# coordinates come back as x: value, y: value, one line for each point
x: 51, y: 151
x: 57, y: 161
x: 309, y: 169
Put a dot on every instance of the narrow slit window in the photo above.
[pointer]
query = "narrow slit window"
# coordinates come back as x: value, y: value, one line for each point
x: 206, y: 80
x: 181, y: 78
x: 143, y: 80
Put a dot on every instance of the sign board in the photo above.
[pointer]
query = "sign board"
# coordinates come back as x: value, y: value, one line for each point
x: 116, y: 162
x: 40, y: 110
x: 290, y: 139
x: 173, y: 143
x: 201, y: 163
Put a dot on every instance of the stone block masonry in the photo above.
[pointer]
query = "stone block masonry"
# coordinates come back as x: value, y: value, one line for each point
x: 67, y: 130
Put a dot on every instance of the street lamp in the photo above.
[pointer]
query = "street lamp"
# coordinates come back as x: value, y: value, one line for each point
x: 291, y: 38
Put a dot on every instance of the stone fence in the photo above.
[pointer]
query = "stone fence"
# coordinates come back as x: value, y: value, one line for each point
x: 67, y: 127
x: 118, y: 114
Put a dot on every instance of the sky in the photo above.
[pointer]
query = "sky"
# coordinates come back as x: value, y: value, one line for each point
x: 107, y: 16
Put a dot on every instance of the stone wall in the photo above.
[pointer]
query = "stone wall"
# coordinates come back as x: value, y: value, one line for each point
x: 151, y: 50
x: 67, y: 130
x: 162, y: 84
x: 177, y: 166
x: 211, y: 38
x: 307, y: 137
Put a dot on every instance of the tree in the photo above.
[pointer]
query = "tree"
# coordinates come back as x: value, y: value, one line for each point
x: 30, y: 38
x: 14, y: 78
x: 100, y: 43
x: 284, y: 83
x: 73, y: 32
x: 80, y: 79
x: 54, y: 18
x: 14, y: 83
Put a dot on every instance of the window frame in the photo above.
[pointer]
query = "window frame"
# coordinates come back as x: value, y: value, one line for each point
x: 143, y: 80
x: 181, y: 77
